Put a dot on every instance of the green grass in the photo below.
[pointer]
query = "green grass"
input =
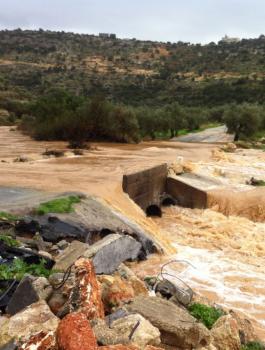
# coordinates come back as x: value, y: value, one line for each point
x: 19, y: 268
x: 206, y: 314
x: 8, y: 216
x: 253, y: 346
x: 60, y: 205
x: 9, y: 241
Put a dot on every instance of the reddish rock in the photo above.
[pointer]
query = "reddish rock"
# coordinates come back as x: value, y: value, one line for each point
x: 115, y: 291
x: 75, y: 333
x: 40, y: 341
x: 86, y: 295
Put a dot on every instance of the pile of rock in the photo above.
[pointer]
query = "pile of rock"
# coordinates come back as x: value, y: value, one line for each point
x: 107, y: 312
x: 93, y: 301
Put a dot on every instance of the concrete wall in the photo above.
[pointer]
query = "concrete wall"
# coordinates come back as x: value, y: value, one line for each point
x: 146, y: 187
x: 186, y: 195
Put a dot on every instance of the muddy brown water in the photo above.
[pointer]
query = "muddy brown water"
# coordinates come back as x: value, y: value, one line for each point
x: 228, y: 252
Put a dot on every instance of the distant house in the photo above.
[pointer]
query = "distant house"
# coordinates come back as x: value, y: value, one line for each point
x: 230, y: 40
x: 107, y: 35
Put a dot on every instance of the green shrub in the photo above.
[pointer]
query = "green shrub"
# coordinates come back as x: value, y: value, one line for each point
x: 9, y: 241
x: 253, y: 346
x: 60, y: 205
x: 7, y: 216
x: 19, y: 268
x: 206, y: 314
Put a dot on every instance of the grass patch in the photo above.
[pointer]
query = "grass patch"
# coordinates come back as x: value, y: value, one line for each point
x: 9, y: 241
x: 253, y: 346
x: 19, y: 268
x: 206, y: 314
x: 8, y: 216
x: 60, y: 205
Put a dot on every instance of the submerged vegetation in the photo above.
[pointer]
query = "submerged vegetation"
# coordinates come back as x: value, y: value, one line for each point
x: 206, y: 314
x: 59, y: 205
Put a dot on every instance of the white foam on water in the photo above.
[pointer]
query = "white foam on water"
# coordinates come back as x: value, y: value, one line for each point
x: 211, y: 272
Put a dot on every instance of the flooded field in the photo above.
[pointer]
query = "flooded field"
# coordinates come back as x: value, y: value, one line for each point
x: 227, y: 252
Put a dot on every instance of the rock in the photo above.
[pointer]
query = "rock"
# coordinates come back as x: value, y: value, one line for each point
x: 29, y: 291
x: 108, y: 336
x: 108, y: 253
x: 246, y: 329
x: 138, y: 286
x: 12, y: 345
x: 120, y: 313
x: 70, y: 255
x: 40, y: 341
x: 53, y: 227
x: 99, y: 217
x: 45, y: 254
x: 225, y: 334
x: 138, y: 330
x: 115, y: 291
x: 86, y: 295
x: 35, y: 318
x: 75, y: 333
x: 62, y: 244
x: 57, y: 278
x: 175, y: 169
x: 177, y: 327
x: 22, y: 159
x: 57, y: 302
x: 177, y: 295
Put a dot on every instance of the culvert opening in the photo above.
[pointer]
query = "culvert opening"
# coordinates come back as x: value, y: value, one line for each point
x: 168, y: 201
x: 153, y: 210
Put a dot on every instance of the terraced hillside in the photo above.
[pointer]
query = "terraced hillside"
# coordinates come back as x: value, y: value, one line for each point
x: 129, y: 70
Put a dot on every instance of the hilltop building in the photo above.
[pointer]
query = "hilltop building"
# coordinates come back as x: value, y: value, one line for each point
x: 107, y: 35
x: 230, y: 40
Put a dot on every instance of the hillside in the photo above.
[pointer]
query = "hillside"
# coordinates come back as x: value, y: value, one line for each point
x: 130, y: 71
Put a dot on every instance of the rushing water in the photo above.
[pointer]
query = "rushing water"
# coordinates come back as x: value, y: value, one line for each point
x: 227, y: 256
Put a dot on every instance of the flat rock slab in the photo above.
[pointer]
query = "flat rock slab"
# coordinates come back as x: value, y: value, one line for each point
x: 177, y: 327
x: 69, y: 256
x: 19, y: 199
x: 108, y: 253
x: 92, y: 219
x: 97, y: 216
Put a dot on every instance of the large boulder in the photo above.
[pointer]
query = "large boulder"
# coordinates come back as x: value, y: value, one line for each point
x: 75, y: 333
x: 108, y: 253
x: 69, y: 256
x: 225, y: 334
x: 138, y: 330
x: 53, y: 227
x: 86, y: 295
x: 35, y: 318
x: 101, y: 218
x: 93, y: 219
x: 177, y: 327
x: 30, y: 290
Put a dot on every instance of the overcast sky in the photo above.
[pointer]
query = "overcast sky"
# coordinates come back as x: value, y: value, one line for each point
x: 165, y: 20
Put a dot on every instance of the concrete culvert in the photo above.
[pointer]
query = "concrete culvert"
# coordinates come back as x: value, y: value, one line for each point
x: 153, y: 210
x: 168, y: 201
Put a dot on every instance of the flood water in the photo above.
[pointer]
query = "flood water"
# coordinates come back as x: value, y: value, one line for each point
x: 227, y: 252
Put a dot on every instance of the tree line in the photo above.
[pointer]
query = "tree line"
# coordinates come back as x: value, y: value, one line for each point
x: 60, y: 115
